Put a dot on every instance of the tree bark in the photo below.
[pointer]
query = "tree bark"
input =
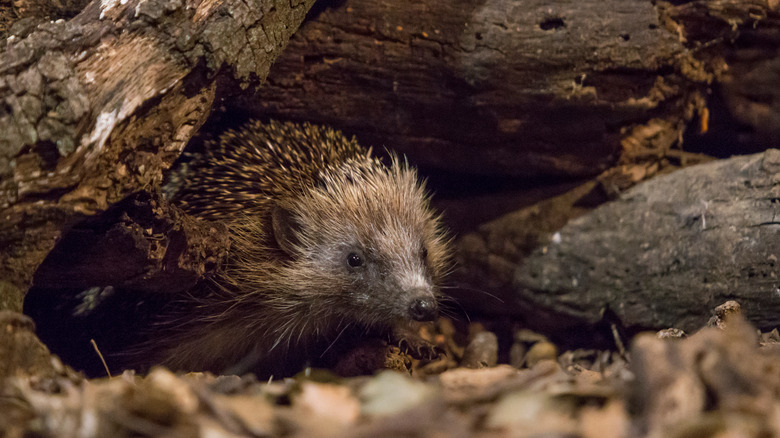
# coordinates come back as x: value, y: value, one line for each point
x: 97, y: 107
x: 662, y: 256
x: 503, y: 88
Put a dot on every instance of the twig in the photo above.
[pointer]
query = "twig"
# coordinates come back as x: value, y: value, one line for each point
x: 97, y: 350
x: 618, y: 342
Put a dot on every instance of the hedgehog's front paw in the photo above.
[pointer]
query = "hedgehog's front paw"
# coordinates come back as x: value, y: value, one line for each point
x: 416, y: 346
x: 419, y: 348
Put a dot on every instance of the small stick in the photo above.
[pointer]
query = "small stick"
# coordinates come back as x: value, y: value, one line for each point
x: 97, y: 350
x: 618, y: 342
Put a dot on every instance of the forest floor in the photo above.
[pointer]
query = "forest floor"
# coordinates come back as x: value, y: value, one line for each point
x: 723, y: 380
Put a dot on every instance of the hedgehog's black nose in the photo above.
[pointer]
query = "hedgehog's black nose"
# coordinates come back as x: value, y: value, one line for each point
x: 423, y: 309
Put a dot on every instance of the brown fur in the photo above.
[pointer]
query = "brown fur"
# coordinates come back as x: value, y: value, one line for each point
x: 299, y: 200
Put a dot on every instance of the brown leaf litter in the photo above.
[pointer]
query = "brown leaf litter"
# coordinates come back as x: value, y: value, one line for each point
x: 722, y: 381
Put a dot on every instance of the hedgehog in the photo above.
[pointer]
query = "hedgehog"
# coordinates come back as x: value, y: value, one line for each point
x: 324, y: 238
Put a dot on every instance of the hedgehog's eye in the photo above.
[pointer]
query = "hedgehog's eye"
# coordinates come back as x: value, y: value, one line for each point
x: 354, y: 260
x: 425, y: 253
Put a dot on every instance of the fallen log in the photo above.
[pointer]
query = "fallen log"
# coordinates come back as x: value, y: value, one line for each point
x: 532, y: 89
x: 95, y: 108
x: 661, y: 256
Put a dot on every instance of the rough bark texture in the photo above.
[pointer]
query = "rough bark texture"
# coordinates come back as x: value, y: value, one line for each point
x: 511, y: 88
x: 141, y: 243
x: 481, y: 87
x: 743, y: 37
x: 661, y: 256
x: 95, y: 108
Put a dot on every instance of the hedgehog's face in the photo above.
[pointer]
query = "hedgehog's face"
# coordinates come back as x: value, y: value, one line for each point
x: 369, y: 245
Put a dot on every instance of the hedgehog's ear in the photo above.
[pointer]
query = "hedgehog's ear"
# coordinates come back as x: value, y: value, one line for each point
x: 285, y: 229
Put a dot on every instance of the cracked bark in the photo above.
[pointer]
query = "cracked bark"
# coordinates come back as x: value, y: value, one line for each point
x: 513, y: 89
x: 483, y: 88
x: 661, y: 256
x: 95, y: 108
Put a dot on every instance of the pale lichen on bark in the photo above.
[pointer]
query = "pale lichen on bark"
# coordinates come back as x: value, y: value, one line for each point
x: 96, y: 107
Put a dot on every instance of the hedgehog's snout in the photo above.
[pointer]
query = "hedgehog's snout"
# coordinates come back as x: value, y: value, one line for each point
x: 423, y: 307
